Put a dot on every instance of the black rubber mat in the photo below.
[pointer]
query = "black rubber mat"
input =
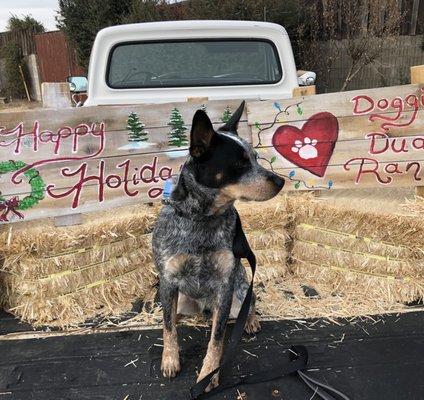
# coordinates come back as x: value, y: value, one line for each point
x: 368, y: 360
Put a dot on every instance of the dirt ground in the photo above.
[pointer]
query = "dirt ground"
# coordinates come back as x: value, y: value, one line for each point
x: 20, y: 105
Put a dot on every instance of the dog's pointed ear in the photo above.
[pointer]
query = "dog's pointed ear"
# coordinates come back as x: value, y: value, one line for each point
x: 180, y: 192
x: 232, y: 124
x: 201, y: 134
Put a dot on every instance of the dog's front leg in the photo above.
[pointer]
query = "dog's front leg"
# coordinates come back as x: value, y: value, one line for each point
x: 216, y: 342
x: 224, y: 262
x: 170, y: 356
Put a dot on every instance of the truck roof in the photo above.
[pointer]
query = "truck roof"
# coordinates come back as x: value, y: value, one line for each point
x: 99, y: 93
x: 216, y: 25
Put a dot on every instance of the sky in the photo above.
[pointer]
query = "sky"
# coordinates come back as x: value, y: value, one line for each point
x: 42, y: 10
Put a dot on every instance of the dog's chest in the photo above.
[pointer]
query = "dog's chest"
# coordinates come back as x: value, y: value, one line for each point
x: 195, y: 256
x: 200, y: 276
x: 174, y: 234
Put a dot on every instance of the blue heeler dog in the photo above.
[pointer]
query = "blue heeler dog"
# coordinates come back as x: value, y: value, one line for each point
x: 193, y: 236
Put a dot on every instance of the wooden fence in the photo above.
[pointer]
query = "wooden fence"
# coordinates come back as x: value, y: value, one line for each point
x: 412, y: 12
x: 60, y: 162
x: 24, y: 38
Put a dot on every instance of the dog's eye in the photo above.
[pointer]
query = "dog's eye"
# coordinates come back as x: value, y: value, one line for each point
x: 242, y: 163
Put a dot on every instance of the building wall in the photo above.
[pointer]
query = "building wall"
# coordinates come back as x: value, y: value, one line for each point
x: 56, y: 58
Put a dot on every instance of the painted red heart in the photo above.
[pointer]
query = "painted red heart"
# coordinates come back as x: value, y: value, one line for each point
x: 311, y: 146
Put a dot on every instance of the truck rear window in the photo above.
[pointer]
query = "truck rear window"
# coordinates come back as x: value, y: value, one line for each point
x: 193, y: 63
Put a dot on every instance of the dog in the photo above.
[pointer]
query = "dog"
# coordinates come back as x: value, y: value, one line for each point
x: 193, y: 236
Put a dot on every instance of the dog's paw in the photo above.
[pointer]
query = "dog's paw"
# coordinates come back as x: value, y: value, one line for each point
x: 214, y: 381
x: 170, y: 366
x: 252, y: 324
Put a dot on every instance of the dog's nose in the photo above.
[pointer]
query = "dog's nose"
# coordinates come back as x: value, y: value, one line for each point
x: 277, y: 181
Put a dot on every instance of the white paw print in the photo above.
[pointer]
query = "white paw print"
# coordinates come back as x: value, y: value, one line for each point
x: 305, y: 148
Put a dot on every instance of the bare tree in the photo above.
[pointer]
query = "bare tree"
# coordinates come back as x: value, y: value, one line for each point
x: 358, y: 30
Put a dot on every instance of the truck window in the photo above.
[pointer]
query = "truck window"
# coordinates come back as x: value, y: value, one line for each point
x: 193, y: 63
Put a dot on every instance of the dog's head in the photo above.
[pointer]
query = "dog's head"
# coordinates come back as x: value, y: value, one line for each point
x: 224, y: 161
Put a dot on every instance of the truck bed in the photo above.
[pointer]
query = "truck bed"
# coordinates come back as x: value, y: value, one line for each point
x: 378, y: 358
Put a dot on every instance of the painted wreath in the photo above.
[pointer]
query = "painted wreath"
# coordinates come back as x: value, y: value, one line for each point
x: 14, y: 204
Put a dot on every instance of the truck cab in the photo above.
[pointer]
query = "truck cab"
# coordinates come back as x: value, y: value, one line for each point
x: 162, y: 62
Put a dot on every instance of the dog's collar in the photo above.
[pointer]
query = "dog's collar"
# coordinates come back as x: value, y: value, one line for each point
x: 177, y: 194
x: 192, y: 216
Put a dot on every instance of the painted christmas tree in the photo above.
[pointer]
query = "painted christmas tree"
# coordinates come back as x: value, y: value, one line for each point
x: 226, y: 116
x: 177, y: 136
x: 137, y: 133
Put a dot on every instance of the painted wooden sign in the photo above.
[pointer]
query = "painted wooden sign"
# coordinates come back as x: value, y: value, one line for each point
x: 60, y: 162
x: 367, y: 138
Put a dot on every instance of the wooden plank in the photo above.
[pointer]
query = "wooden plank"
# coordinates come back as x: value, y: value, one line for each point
x: 34, y: 144
x: 101, y: 174
x: 414, y: 17
x: 417, y: 77
x: 304, y: 91
x: 115, y: 117
x: 377, y: 148
x: 340, y: 104
x: 417, y: 74
x: 355, y: 174
x: 365, y: 17
x: 56, y: 95
x: 68, y: 220
x: 88, y: 163
x: 93, y: 185
x: 362, y: 138
x: 199, y: 100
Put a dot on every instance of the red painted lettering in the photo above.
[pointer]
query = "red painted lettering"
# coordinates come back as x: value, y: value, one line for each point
x: 375, y: 136
x: 366, y: 166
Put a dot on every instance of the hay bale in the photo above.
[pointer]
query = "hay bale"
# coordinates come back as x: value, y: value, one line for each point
x: 351, y: 242
x: 266, y: 227
x: 315, y: 265
x: 64, y: 276
x: 365, y: 263
x: 382, y: 255
x: 392, y: 229
x: 2, y: 285
x: 359, y: 262
x: 101, y: 229
x: 269, y: 216
x: 286, y: 299
x: 414, y: 207
x: 262, y: 240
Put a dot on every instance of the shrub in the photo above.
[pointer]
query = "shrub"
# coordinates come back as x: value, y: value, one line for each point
x: 12, y: 55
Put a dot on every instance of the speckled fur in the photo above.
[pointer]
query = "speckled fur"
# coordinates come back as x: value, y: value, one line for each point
x: 192, y: 247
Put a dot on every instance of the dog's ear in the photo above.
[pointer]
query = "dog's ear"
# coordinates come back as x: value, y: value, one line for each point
x: 232, y: 124
x: 201, y: 134
x: 180, y: 191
